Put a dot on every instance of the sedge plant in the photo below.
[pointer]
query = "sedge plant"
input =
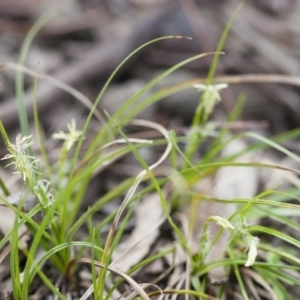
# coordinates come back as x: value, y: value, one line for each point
x: 59, y: 188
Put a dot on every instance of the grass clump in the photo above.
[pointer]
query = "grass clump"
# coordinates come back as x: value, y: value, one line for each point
x: 255, y: 266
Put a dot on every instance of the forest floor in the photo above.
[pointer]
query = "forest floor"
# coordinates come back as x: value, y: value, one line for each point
x: 80, y: 43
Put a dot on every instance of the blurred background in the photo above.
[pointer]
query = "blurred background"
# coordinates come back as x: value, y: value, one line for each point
x: 84, y: 41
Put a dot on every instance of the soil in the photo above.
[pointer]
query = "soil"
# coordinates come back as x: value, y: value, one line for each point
x: 86, y: 40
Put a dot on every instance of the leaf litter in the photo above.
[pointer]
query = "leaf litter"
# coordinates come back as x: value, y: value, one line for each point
x: 228, y: 182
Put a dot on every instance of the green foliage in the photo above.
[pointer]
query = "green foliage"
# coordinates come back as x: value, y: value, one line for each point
x: 59, y: 189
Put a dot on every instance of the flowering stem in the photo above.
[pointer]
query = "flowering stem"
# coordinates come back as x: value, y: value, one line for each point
x: 194, y: 142
x: 198, y: 117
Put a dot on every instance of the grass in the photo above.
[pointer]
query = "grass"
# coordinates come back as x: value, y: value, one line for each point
x: 60, y: 190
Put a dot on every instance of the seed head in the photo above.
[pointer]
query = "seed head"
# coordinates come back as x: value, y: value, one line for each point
x: 210, y: 96
x: 222, y: 222
x: 252, y: 242
x: 24, y: 164
x: 43, y: 193
x: 71, y: 137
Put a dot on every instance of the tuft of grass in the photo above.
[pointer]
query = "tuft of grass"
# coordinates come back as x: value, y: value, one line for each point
x: 59, y: 188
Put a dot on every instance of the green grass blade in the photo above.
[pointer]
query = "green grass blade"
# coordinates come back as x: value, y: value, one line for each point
x: 213, y: 66
x: 275, y: 233
x: 22, y: 58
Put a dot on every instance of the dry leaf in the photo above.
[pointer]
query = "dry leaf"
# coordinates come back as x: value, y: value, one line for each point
x: 7, y: 219
x: 149, y: 216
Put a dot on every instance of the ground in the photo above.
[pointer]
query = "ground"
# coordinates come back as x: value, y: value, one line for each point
x: 80, y: 43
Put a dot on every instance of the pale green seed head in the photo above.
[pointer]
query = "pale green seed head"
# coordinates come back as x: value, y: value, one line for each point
x: 252, y: 242
x: 222, y: 222
x: 211, y: 95
x: 71, y: 137
x: 23, y: 164
x: 43, y: 193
